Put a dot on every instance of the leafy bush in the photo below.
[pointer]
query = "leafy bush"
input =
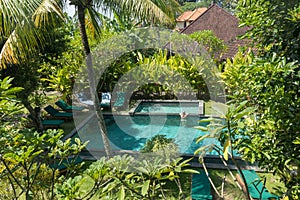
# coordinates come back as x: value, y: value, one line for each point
x: 159, y: 143
x: 271, y: 85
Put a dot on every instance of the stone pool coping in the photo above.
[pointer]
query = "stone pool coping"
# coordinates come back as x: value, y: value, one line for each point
x: 201, y: 111
x: 211, y: 161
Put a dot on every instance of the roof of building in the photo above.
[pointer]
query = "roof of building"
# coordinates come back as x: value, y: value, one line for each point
x: 191, y: 15
x: 221, y: 22
x: 184, y: 16
x: 224, y: 25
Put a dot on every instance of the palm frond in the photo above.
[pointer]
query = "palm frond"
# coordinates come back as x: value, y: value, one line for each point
x: 19, y: 45
x: 155, y: 11
x: 46, y: 11
x: 17, y: 12
x: 93, y: 21
x: 20, y: 34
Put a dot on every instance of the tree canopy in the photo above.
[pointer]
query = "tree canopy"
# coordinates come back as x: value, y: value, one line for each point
x: 275, y: 26
x: 269, y: 81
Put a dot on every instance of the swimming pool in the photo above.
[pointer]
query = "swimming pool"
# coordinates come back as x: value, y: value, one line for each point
x: 193, y: 107
x: 127, y: 132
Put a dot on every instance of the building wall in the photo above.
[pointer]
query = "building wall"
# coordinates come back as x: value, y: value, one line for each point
x: 180, y: 25
x: 222, y: 23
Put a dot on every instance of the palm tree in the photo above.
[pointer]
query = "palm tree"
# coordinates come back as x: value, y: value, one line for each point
x: 19, y: 35
x: 155, y: 11
x: 20, y: 21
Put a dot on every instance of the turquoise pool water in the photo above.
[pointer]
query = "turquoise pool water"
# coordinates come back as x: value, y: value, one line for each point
x: 168, y: 107
x: 132, y: 132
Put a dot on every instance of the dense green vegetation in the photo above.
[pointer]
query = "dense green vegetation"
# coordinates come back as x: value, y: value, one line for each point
x: 270, y: 83
x: 42, y: 51
x: 213, y: 45
x: 229, y: 5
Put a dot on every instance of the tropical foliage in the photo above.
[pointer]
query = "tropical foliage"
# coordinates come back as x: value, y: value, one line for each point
x: 229, y: 130
x: 39, y: 64
x: 8, y: 104
x: 275, y: 25
x: 186, y: 6
x: 272, y: 87
x: 262, y: 122
x: 213, y: 45
x: 158, y: 143
x: 151, y: 71
x: 124, y: 177
x: 30, y: 162
x: 153, y: 12
x: 229, y: 5
x: 270, y: 83
x: 28, y: 158
x: 22, y: 28
x: 59, y: 70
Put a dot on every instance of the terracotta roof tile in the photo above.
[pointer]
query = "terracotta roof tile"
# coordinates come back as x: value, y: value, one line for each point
x: 196, y: 13
x: 191, y: 15
x: 224, y: 25
x: 184, y: 16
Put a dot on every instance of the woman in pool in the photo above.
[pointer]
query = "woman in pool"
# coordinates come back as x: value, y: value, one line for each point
x: 183, y: 115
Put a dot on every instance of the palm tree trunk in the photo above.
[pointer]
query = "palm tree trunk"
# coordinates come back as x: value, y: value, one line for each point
x: 36, y: 115
x: 89, y: 65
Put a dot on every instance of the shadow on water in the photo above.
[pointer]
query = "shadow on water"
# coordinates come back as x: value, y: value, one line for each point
x: 120, y: 138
